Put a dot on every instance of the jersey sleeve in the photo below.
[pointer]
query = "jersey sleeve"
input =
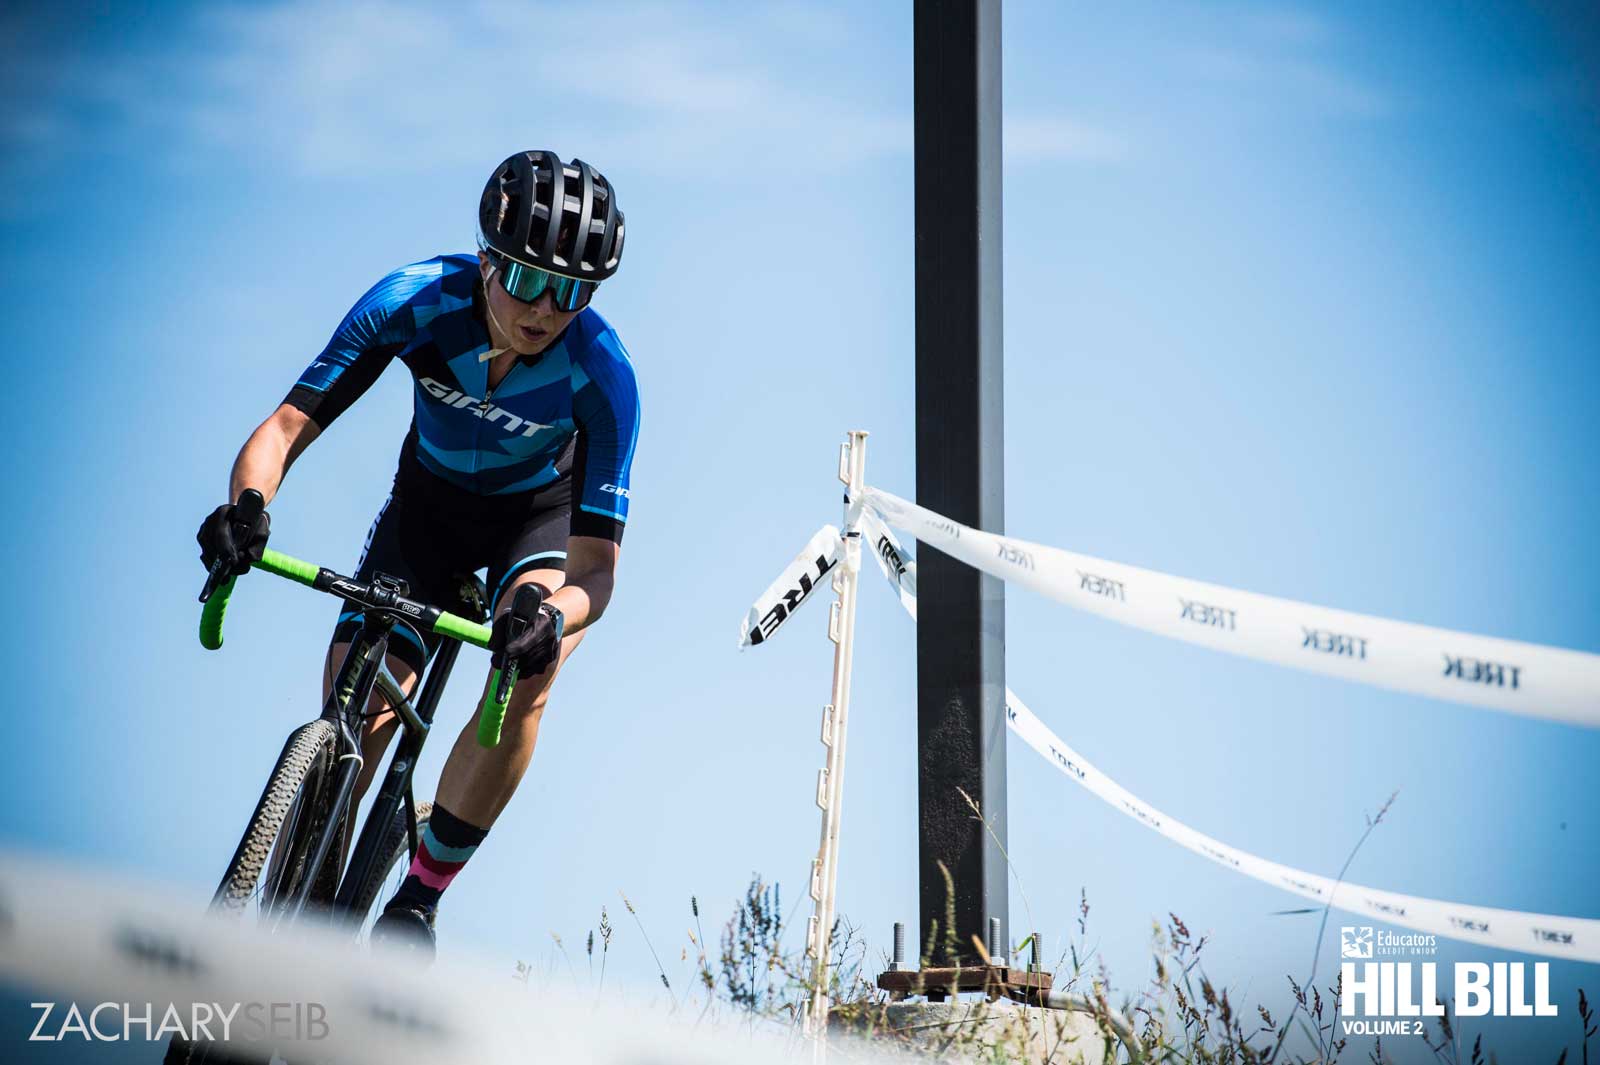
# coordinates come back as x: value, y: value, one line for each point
x: 605, y: 407
x: 379, y: 325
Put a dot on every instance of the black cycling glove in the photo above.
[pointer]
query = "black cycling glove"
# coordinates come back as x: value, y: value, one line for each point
x: 219, y: 539
x: 528, y: 634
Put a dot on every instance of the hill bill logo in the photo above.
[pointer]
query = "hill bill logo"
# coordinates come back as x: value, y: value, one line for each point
x: 1383, y: 998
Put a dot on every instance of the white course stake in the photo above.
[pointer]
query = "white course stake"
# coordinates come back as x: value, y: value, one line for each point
x: 836, y: 719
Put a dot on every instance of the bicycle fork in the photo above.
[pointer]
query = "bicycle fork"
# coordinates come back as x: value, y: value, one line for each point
x: 395, y: 793
x: 340, y: 708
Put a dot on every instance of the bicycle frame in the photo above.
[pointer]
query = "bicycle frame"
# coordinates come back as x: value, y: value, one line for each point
x: 416, y: 722
x: 363, y: 671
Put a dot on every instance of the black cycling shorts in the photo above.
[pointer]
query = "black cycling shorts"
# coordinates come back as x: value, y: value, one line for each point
x: 434, y: 536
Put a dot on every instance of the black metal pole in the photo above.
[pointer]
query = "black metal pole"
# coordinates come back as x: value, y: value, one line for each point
x: 961, y: 730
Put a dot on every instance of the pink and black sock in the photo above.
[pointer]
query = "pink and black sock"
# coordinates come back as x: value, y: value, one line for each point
x: 446, y: 844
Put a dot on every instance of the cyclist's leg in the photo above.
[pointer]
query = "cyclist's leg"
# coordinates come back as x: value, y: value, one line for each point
x: 523, y: 538
x: 526, y: 542
x: 477, y: 782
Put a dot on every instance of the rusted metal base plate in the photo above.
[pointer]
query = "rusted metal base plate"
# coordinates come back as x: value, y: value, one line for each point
x: 994, y: 980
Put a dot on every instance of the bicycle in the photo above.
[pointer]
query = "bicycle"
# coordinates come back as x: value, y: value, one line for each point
x: 286, y: 861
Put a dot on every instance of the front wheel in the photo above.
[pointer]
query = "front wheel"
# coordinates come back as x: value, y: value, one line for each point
x: 271, y: 862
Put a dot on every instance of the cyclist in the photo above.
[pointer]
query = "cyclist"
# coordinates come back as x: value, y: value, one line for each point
x: 524, y: 423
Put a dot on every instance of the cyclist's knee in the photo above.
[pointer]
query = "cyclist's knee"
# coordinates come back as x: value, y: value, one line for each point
x: 551, y: 579
x: 530, y: 696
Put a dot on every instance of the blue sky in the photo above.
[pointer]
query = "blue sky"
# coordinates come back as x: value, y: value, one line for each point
x: 1298, y: 301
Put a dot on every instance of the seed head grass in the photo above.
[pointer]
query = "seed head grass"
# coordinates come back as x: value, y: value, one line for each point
x: 757, y: 979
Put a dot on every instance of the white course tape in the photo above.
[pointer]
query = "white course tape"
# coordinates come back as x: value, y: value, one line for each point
x: 1522, y: 678
x: 792, y: 588
x: 1534, y: 933
x: 894, y: 561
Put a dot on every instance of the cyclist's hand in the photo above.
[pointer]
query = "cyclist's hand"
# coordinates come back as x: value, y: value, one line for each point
x: 533, y: 649
x: 219, y: 538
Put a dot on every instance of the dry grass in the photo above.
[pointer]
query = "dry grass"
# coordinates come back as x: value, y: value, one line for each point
x: 758, y: 980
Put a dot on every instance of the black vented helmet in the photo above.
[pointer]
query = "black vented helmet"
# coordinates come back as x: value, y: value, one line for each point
x: 557, y: 216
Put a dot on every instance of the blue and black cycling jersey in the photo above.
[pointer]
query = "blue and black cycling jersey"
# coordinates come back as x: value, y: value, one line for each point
x: 573, y: 408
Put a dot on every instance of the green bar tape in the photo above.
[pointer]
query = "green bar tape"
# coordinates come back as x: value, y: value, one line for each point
x: 492, y: 714
x: 286, y: 566
x: 459, y: 628
x: 211, y: 616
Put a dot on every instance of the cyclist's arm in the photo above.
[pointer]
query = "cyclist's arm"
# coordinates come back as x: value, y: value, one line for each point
x: 271, y: 450
x: 591, y: 575
x: 368, y: 338
x: 605, y: 406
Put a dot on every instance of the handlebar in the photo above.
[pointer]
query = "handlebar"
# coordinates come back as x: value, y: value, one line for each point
x: 491, y: 713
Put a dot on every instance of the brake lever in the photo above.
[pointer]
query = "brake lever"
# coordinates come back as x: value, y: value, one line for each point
x: 524, y: 609
x: 246, y: 510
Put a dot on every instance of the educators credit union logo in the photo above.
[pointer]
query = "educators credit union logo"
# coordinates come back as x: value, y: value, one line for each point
x: 1355, y: 942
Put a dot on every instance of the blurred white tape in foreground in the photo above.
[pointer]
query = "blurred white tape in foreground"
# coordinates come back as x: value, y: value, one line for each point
x: 1533, y: 933
x: 1522, y: 678
x: 82, y: 938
